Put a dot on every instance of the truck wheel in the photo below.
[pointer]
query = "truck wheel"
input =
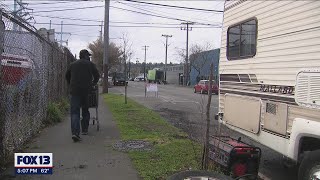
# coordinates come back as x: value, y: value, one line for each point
x: 310, y: 166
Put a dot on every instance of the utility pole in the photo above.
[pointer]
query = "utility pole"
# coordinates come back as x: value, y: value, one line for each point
x: 145, y: 62
x: 50, y: 25
x: 15, y: 11
x: 61, y: 33
x: 144, y: 70
x: 165, y: 62
x: 186, y: 79
x: 137, y: 62
x: 61, y: 40
x: 101, y: 30
x: 106, y: 47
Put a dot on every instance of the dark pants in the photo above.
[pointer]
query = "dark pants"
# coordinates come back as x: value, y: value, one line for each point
x: 78, y: 102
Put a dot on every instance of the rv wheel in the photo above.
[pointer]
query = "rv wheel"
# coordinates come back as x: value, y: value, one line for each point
x: 310, y: 166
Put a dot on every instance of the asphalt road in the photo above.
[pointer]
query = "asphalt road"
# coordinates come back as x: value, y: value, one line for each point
x: 186, y: 110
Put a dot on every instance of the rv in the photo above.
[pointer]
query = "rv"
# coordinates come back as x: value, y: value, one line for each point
x: 270, y: 77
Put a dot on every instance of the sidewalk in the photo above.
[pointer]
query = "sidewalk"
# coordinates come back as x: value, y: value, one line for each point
x: 91, y: 159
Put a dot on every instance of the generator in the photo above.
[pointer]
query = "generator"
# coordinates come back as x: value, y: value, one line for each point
x: 236, y: 158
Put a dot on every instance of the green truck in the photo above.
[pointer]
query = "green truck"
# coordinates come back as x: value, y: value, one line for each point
x: 155, y: 76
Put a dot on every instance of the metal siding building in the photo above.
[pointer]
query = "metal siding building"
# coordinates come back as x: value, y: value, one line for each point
x: 212, y: 56
x: 173, y: 73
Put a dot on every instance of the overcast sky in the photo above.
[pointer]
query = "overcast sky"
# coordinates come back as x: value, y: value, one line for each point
x: 81, y: 36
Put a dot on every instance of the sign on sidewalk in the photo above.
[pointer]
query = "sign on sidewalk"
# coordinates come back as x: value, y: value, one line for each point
x: 152, y: 87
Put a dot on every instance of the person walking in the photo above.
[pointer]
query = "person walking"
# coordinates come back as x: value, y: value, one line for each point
x: 81, y: 75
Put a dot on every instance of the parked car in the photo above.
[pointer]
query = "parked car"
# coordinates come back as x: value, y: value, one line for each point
x: 119, y: 78
x: 139, y: 79
x: 203, y: 87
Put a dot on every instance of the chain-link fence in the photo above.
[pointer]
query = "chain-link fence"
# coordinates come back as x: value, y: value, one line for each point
x: 31, y: 75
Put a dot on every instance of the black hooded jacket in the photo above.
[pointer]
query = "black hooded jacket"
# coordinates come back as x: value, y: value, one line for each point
x: 81, y: 76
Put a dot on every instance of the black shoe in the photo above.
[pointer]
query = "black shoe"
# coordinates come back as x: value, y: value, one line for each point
x: 76, y: 138
x: 84, y: 133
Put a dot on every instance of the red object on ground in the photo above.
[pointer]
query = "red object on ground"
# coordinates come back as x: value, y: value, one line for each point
x: 239, y: 169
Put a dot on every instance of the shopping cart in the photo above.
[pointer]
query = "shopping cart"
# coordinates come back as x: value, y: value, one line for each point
x: 93, y: 103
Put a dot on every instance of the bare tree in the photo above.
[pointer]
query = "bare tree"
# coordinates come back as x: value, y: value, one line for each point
x: 206, y: 162
x: 181, y: 53
x: 127, y: 54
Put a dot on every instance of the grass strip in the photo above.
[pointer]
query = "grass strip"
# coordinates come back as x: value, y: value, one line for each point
x: 172, y: 152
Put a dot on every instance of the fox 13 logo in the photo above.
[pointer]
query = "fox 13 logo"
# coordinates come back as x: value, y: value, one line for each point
x: 33, y: 163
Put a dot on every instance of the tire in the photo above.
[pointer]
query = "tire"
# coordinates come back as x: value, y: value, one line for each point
x: 310, y: 164
x: 194, y: 90
x: 201, y: 91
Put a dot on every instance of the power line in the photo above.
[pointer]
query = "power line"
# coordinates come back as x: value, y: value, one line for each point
x: 71, y: 24
x: 47, y: 7
x: 165, y: 17
x: 55, y: 2
x: 70, y: 9
x: 97, y: 25
x: 74, y: 34
x: 181, y: 7
x: 75, y: 19
x: 115, y: 22
x: 157, y: 13
x: 159, y: 16
x: 50, y: 3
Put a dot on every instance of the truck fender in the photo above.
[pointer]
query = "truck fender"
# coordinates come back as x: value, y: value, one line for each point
x: 301, y: 128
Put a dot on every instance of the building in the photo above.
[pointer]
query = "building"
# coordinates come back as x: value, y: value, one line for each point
x: 174, y: 74
x: 47, y: 34
x: 200, y: 65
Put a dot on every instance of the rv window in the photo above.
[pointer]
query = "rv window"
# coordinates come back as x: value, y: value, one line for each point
x: 233, y: 44
x: 242, y: 40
